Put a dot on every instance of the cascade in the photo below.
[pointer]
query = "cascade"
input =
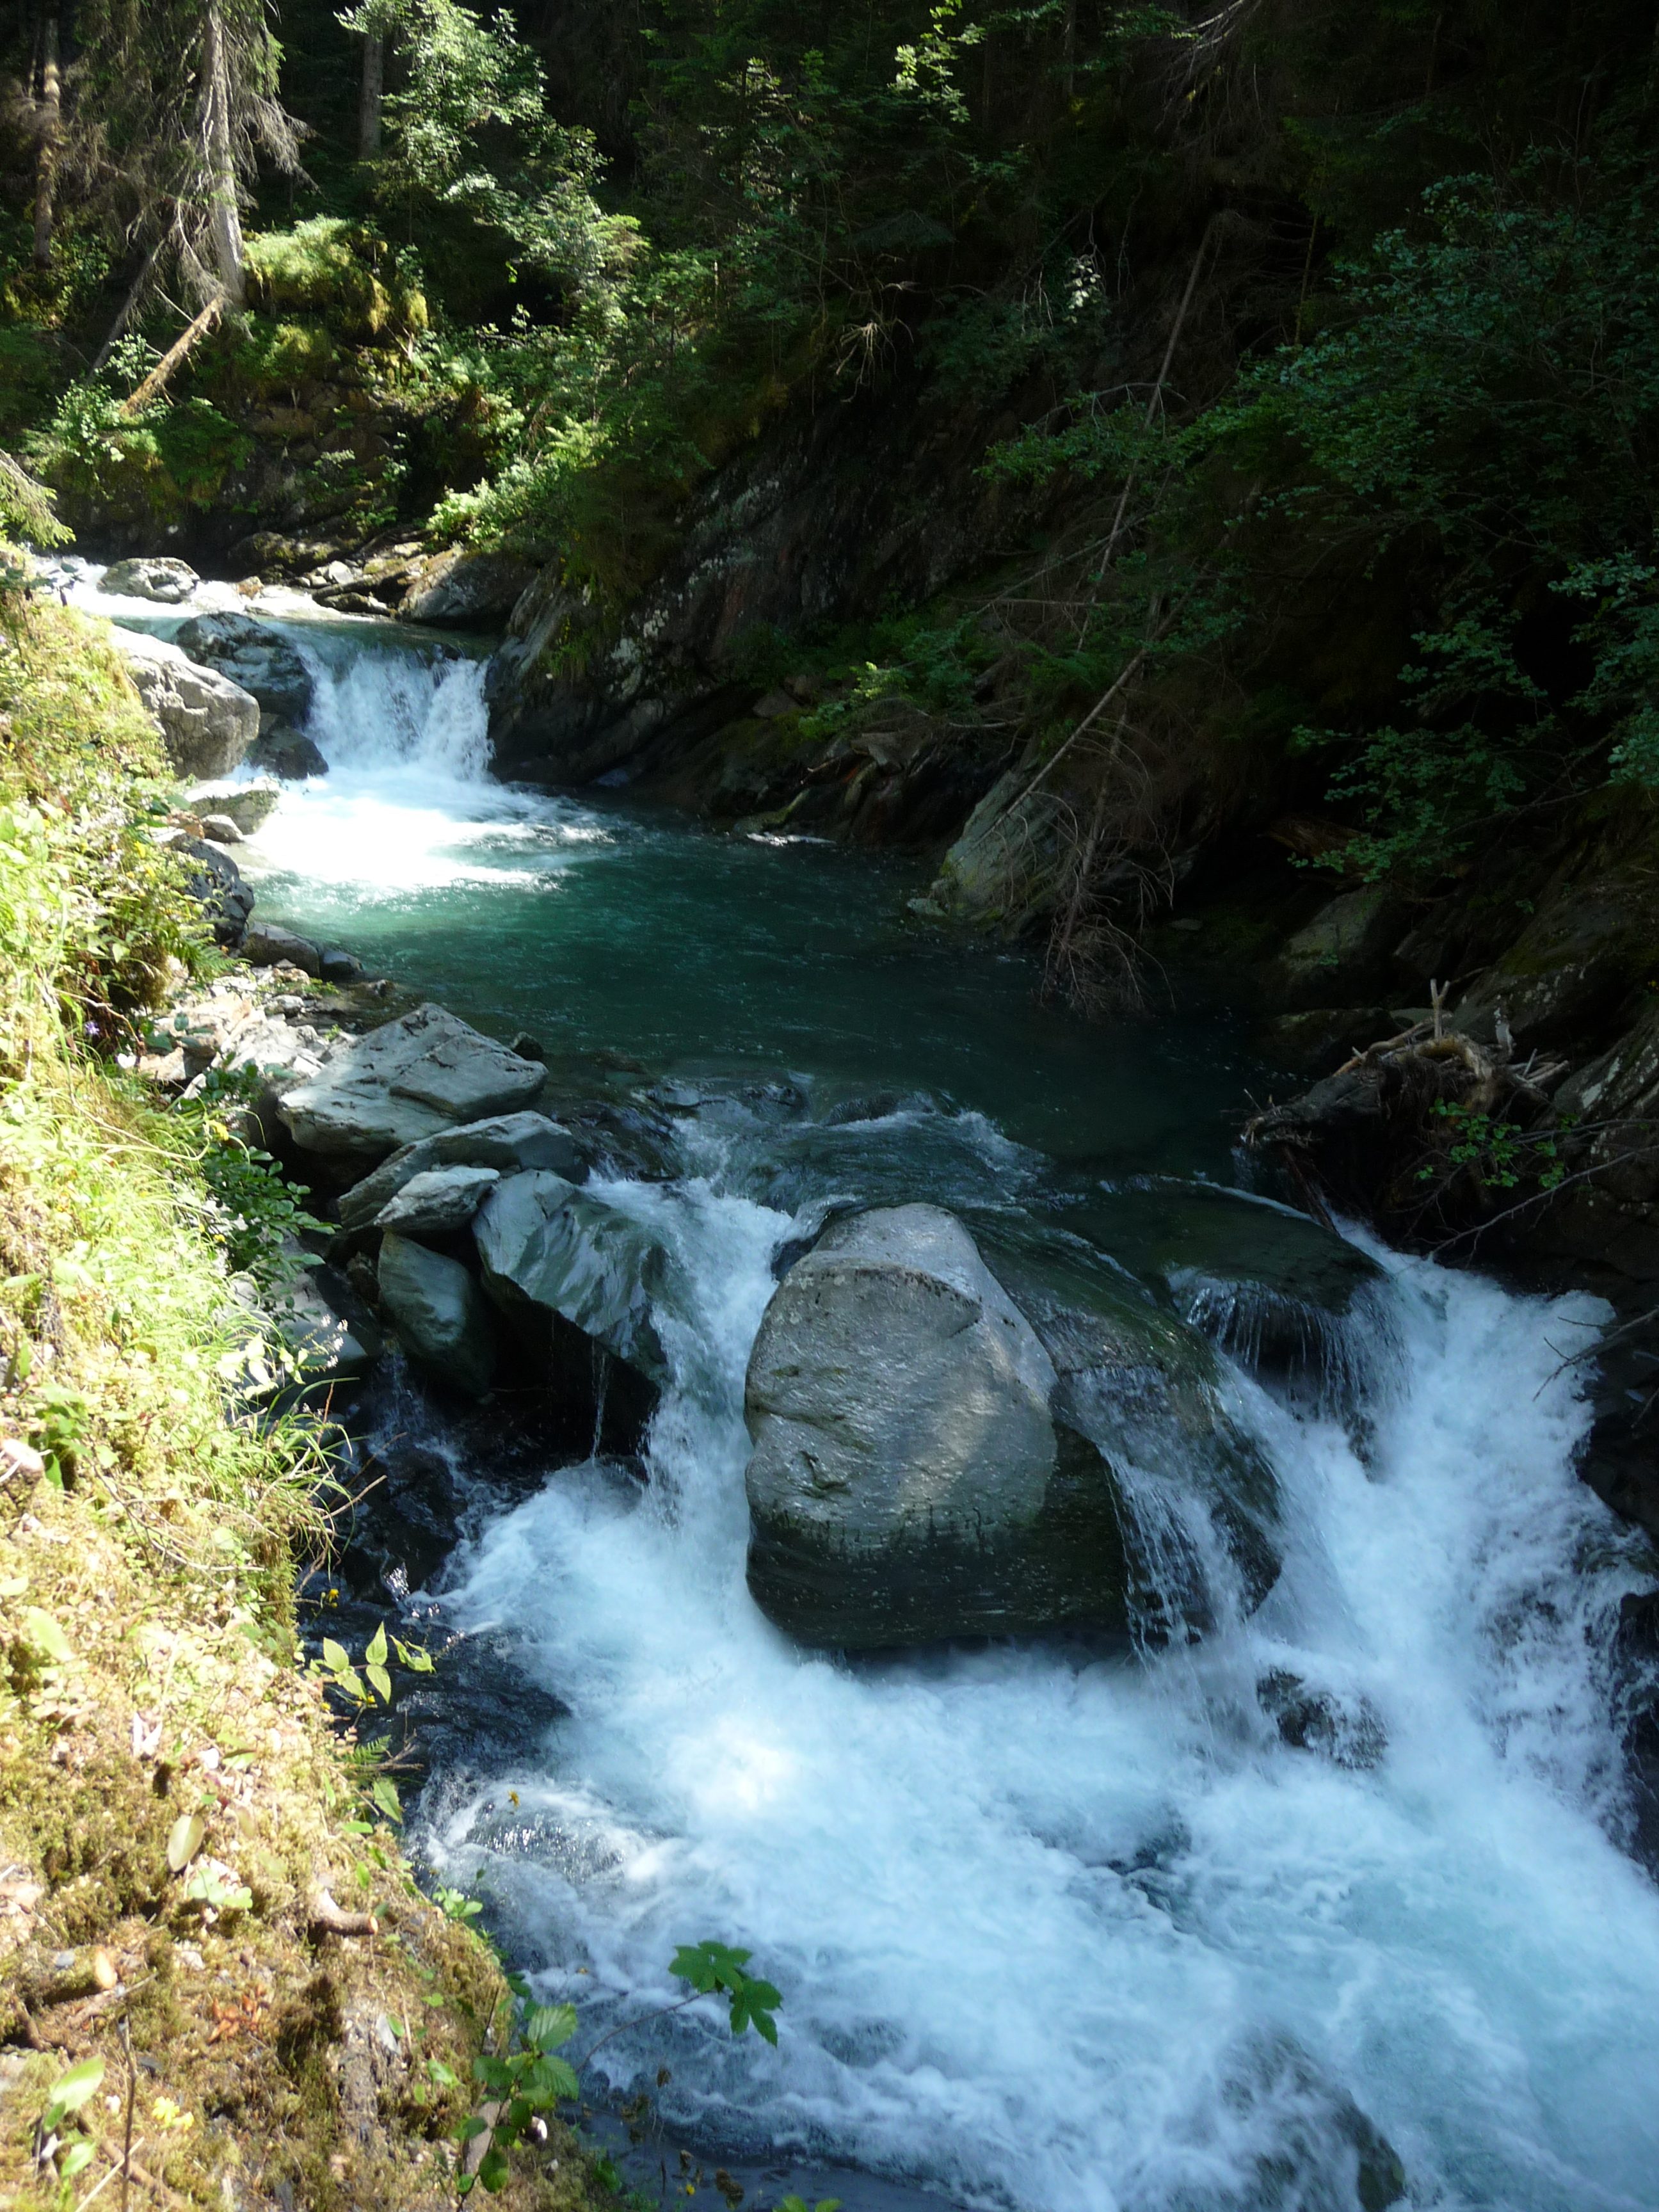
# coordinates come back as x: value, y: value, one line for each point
x: 1059, y: 1927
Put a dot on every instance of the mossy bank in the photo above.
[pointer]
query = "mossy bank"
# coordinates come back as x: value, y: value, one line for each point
x: 201, y: 1887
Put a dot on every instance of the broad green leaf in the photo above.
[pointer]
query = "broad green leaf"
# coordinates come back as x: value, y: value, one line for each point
x: 385, y: 1794
x: 546, y: 2027
x: 375, y: 1655
x: 70, y: 2091
x: 493, y: 2170
x: 184, y: 1840
x: 335, y: 1657
x: 381, y: 1680
x: 42, y: 1633
x: 438, y: 2072
x: 75, y: 2160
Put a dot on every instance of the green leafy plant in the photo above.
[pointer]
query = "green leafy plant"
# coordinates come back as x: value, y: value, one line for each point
x: 59, y: 1424
x: 68, y: 2094
x: 532, y: 2078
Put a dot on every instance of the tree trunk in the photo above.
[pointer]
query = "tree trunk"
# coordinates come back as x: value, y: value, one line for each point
x: 368, y: 103
x: 45, y: 159
x: 224, y: 222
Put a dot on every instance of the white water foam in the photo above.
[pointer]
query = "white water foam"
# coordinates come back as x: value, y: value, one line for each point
x: 1052, y: 1930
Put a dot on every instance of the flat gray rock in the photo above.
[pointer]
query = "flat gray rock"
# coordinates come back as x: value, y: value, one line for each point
x: 438, y: 1201
x: 267, y: 944
x: 508, y: 1142
x: 248, y: 805
x: 441, y: 1319
x: 408, y: 1079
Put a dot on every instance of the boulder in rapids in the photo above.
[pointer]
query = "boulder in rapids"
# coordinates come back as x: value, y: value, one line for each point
x: 207, y: 723
x: 507, y: 1142
x: 409, y: 1078
x: 256, y: 656
x: 283, y: 751
x: 545, y: 1245
x: 440, y: 1314
x: 148, y: 576
x: 437, y: 1202
x: 908, y: 1481
x: 249, y: 805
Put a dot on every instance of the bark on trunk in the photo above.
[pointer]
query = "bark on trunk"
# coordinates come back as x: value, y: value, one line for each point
x: 368, y: 104
x: 45, y: 160
x: 224, y: 222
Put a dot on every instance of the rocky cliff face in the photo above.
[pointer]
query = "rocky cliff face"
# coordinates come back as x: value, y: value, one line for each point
x: 842, y: 511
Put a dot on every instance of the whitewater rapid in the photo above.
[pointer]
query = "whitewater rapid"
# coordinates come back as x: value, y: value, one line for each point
x: 1055, y: 1931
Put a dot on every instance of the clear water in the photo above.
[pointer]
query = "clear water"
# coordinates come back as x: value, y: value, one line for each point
x: 1055, y: 1931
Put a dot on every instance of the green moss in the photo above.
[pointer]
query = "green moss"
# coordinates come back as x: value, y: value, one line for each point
x: 343, y: 271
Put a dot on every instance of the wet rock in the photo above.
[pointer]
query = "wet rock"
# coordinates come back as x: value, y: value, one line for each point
x: 544, y: 1243
x: 458, y: 589
x: 216, y: 881
x: 908, y: 1481
x: 441, y: 1317
x: 284, y: 751
x: 1341, y: 951
x: 507, y: 1142
x: 254, y: 655
x: 1270, y: 1286
x: 409, y: 1078
x: 1198, y: 1501
x: 208, y: 724
x: 337, y: 966
x: 248, y: 805
x: 437, y: 1202
x: 268, y: 945
x: 167, y: 582
x: 1348, y: 1731
x: 219, y: 830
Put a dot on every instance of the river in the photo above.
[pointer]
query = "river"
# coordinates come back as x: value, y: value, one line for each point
x: 1057, y: 1928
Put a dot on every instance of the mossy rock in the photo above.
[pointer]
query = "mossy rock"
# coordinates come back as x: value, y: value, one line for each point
x: 342, y: 272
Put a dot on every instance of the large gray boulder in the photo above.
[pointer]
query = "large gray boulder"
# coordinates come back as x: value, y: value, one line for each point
x: 1343, y: 952
x: 908, y: 1480
x: 507, y: 1142
x: 256, y: 656
x: 543, y: 1243
x: 441, y: 1317
x: 408, y: 1079
x: 207, y: 723
x: 437, y: 1202
x: 156, y: 577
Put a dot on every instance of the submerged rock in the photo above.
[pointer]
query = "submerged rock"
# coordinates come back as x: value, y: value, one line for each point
x: 441, y: 1314
x: 409, y: 1078
x: 507, y: 1142
x: 256, y: 656
x: 1273, y: 1288
x: 207, y: 723
x: 149, y: 576
x: 908, y: 1481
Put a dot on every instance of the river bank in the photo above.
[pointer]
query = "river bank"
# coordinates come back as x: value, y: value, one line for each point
x: 632, y: 1750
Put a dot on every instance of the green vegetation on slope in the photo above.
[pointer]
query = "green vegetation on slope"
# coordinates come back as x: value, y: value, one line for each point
x: 203, y: 1910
